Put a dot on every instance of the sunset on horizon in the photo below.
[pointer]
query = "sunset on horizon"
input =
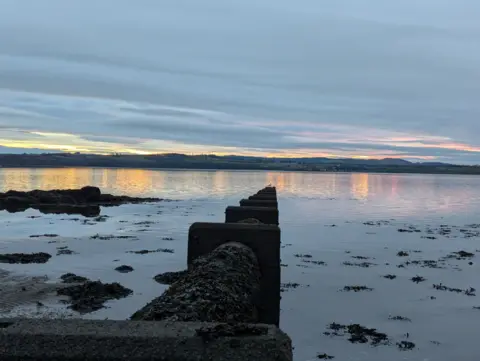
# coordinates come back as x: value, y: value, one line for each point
x: 379, y: 83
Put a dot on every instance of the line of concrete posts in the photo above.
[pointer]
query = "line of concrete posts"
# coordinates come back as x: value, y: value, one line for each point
x: 226, y: 307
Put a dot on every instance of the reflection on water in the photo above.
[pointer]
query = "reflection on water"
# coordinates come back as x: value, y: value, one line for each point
x: 359, y: 185
x: 374, y: 194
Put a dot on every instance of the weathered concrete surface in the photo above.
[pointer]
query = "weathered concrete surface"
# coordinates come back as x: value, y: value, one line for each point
x: 263, y: 214
x: 220, y: 286
x: 258, y: 203
x: 84, y: 340
x: 268, y: 190
x: 264, y: 240
x: 264, y: 197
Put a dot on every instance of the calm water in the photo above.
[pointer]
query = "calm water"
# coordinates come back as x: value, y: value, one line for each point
x: 322, y: 215
x: 344, y: 195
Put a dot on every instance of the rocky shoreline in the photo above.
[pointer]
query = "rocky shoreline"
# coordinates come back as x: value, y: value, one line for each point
x: 85, y: 201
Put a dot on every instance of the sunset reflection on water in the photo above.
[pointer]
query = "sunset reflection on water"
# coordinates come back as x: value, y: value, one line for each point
x: 405, y: 194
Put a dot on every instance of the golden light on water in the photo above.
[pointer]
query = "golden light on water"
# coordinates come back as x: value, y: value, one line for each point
x: 359, y: 185
x: 323, y: 189
x: 278, y: 180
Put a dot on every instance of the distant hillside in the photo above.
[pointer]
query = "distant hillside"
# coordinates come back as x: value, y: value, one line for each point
x: 385, y: 161
x: 387, y: 165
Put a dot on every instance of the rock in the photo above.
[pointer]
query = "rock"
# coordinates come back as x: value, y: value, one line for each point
x: 290, y: 285
x: 318, y: 263
x: 124, y: 269
x: 145, y: 251
x: 169, y: 278
x: 390, y: 277
x: 464, y: 254
x: 359, y: 264
x: 418, y: 279
x: 45, y: 197
x: 73, y: 278
x: 303, y: 255
x: 399, y: 318
x: 324, y: 356
x: 91, y: 194
x: 360, y: 257
x: 101, y: 218
x: 12, y: 193
x: 359, y: 334
x: 24, y: 258
x: 469, y: 291
x: 65, y: 252
x: 15, y: 204
x: 85, y: 201
x: 91, y: 295
x: 405, y: 345
x: 357, y: 288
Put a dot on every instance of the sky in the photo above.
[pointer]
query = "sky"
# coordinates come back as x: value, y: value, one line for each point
x: 336, y: 78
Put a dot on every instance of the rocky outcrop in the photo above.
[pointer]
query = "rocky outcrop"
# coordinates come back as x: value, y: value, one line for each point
x: 124, y: 269
x: 89, y: 296
x: 24, y: 258
x: 85, y: 201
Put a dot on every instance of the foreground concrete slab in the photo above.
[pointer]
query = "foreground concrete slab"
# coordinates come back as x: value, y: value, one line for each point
x: 85, y: 340
x: 265, y: 215
x: 264, y: 240
x: 259, y: 203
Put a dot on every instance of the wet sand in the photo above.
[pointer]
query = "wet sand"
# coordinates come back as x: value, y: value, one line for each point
x: 18, y: 290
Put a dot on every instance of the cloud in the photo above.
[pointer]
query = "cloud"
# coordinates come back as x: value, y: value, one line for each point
x: 274, y: 78
x: 12, y: 150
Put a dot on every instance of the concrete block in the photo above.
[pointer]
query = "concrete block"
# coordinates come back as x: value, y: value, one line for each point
x: 87, y: 340
x: 263, y: 197
x: 267, y: 193
x: 259, y: 203
x: 268, y: 190
x: 265, y: 215
x: 263, y: 239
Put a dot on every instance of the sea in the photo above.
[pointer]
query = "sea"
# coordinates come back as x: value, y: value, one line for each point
x: 341, y: 235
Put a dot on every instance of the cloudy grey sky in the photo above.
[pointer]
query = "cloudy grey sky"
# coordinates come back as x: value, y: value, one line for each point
x: 376, y: 78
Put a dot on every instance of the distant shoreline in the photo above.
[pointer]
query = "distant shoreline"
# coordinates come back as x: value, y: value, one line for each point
x: 232, y: 163
x: 398, y: 172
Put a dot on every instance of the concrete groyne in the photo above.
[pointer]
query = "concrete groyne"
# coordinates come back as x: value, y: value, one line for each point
x: 225, y: 307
